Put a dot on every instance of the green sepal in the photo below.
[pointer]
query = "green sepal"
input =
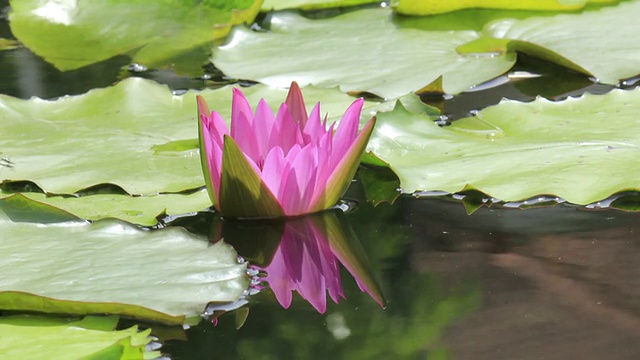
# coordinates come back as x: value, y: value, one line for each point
x: 242, y: 192
x: 203, y: 154
x: 345, y: 171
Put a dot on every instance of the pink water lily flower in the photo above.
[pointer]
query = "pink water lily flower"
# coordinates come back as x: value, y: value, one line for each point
x: 285, y: 164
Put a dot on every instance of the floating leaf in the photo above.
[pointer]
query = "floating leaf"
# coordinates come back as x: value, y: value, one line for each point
x: 141, y: 210
x: 269, y: 5
x: 569, y: 40
x: 111, y: 267
x: 582, y: 150
x: 156, y: 31
x: 20, y: 208
x: 430, y: 7
x: 361, y: 51
x: 35, y: 337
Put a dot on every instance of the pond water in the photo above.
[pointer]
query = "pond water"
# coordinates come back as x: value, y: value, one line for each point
x: 555, y: 282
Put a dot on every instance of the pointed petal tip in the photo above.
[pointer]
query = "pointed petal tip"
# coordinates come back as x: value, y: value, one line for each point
x: 295, y: 104
x: 203, y: 108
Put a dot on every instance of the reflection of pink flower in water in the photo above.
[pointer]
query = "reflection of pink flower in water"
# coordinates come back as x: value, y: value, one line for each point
x: 307, y: 262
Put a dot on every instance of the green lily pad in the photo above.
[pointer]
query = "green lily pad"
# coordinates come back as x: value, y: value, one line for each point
x: 349, y: 50
x: 20, y: 208
x: 154, y: 31
x: 35, y: 337
x: 361, y: 51
x: 269, y: 5
x: 112, y: 267
x: 141, y: 210
x: 430, y: 7
x: 569, y: 40
x: 581, y: 149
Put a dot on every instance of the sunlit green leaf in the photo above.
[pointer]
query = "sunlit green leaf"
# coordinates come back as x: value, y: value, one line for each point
x: 582, y: 150
x: 269, y: 5
x: 569, y: 40
x: 35, y: 337
x: 361, y: 51
x: 153, y: 31
x: 111, y: 267
x: 20, y: 208
x: 429, y: 7
x: 141, y: 210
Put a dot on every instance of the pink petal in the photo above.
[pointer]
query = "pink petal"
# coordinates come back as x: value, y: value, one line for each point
x: 274, y: 166
x: 295, y: 103
x: 286, y: 132
x: 216, y: 126
x: 242, y: 126
x: 325, y: 166
x: 213, y: 128
x: 313, y: 130
x: 263, y: 125
x: 347, y: 130
x: 215, y: 167
x: 299, y: 185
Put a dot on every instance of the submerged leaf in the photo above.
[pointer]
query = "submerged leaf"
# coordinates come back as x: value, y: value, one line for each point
x: 582, y: 150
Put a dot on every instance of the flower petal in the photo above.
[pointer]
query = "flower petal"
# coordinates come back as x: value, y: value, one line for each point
x: 295, y: 103
x: 273, y: 170
x: 242, y: 126
x: 286, y: 132
x: 263, y: 125
x: 313, y: 130
x: 347, y: 129
x: 340, y: 178
x: 300, y: 182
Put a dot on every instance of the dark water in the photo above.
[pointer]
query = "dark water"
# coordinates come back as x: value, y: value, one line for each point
x: 551, y: 283
x: 559, y: 282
